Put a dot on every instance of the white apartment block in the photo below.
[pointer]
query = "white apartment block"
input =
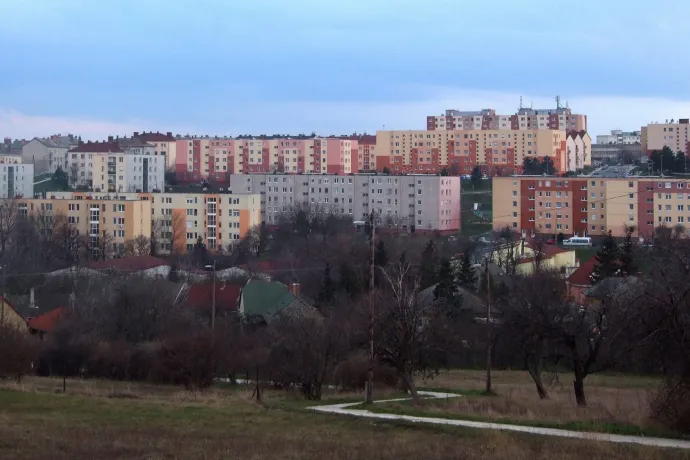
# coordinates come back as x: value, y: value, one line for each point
x: 121, y: 165
x: 16, y: 180
x: 48, y: 154
x: 124, y: 173
x: 412, y: 202
x: 619, y: 137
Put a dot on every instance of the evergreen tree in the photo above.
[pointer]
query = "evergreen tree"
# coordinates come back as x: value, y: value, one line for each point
x: 327, y: 291
x: 607, y: 263
x: 380, y: 255
x: 627, y: 256
x: 428, y: 266
x: 446, y: 290
x: 476, y: 177
x: 467, y: 277
x: 349, y: 282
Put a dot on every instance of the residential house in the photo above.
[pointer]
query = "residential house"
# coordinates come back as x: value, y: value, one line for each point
x: 9, y: 316
x: 146, y: 266
x: 268, y: 299
x: 526, y: 254
x: 580, y: 281
x: 200, y: 297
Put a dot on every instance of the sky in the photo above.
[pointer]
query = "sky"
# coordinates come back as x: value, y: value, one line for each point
x: 229, y: 67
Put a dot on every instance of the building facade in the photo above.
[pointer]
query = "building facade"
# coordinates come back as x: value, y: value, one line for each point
x: 590, y: 206
x: 16, y: 180
x: 578, y: 151
x: 559, y: 119
x: 176, y: 220
x: 409, y: 203
x: 48, y: 154
x: 619, y: 137
x: 672, y: 134
x: 496, y: 152
x: 118, y: 165
x: 163, y: 144
x: 215, y: 159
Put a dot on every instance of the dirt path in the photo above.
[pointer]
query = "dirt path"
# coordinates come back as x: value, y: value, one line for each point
x: 344, y: 409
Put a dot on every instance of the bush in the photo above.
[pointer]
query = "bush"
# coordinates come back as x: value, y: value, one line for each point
x: 17, y: 352
x: 189, y: 360
x: 671, y: 406
x: 352, y: 373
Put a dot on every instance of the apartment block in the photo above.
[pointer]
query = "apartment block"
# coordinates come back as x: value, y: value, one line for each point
x: 409, y: 203
x: 656, y: 136
x: 115, y: 172
x: 590, y: 206
x: 163, y: 144
x: 179, y: 219
x: 496, y: 152
x: 120, y: 165
x: 103, y: 220
x: 16, y: 180
x: 48, y: 154
x: 216, y: 159
x: 619, y: 137
x: 559, y: 119
x: 578, y: 151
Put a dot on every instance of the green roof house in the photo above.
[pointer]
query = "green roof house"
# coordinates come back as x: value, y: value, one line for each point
x: 267, y: 299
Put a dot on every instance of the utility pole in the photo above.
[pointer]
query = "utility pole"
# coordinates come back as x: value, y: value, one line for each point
x: 2, y: 307
x: 213, y: 296
x: 213, y: 299
x: 489, y: 334
x: 369, y: 397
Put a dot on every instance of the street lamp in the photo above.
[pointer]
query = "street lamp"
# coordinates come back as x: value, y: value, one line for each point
x: 213, y: 298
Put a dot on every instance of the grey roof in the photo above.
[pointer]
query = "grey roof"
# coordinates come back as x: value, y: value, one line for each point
x: 58, y: 141
x: 621, y: 289
x: 470, y: 301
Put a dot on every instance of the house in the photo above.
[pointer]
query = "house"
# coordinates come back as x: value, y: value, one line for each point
x: 42, y: 308
x: 9, y: 316
x: 622, y: 290
x: 525, y: 253
x: 146, y: 266
x: 268, y: 299
x: 580, y: 281
x: 200, y: 298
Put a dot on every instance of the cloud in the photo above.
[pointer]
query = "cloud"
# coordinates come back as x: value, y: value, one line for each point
x: 331, y: 117
x: 408, y: 111
x: 19, y: 125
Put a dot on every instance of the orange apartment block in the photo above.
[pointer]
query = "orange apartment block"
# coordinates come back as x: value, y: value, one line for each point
x: 590, y: 206
x: 497, y: 152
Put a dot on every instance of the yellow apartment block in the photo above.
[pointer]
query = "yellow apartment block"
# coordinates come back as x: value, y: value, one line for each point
x: 176, y: 219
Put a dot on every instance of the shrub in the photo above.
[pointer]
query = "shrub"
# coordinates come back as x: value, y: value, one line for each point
x: 17, y: 352
x: 671, y: 406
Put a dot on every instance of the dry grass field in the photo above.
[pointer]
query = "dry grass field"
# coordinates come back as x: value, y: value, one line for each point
x: 114, y: 420
x: 616, y: 403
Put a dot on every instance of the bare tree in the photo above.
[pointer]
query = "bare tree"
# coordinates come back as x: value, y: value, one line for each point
x: 409, y: 333
x: 139, y: 246
x: 9, y: 216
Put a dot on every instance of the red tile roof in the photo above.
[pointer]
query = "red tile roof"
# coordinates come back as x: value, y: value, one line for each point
x: 581, y: 276
x: 130, y: 263
x: 201, y: 295
x: 47, y: 322
x: 551, y: 249
x: 97, y: 147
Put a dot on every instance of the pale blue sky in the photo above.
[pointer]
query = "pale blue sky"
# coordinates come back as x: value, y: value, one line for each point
x: 264, y: 66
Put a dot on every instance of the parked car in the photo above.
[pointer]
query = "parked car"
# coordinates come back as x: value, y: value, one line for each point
x: 550, y: 241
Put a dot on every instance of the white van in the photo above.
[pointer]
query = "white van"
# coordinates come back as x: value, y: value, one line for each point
x: 578, y: 241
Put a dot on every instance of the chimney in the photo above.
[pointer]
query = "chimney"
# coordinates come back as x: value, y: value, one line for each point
x: 295, y: 288
x: 110, y: 138
x: 136, y: 133
x: 32, y: 299
x: 169, y: 133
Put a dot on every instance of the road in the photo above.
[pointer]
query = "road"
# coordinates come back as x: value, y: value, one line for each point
x: 345, y: 409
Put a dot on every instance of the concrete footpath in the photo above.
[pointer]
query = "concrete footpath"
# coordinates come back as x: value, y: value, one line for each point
x: 345, y: 409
